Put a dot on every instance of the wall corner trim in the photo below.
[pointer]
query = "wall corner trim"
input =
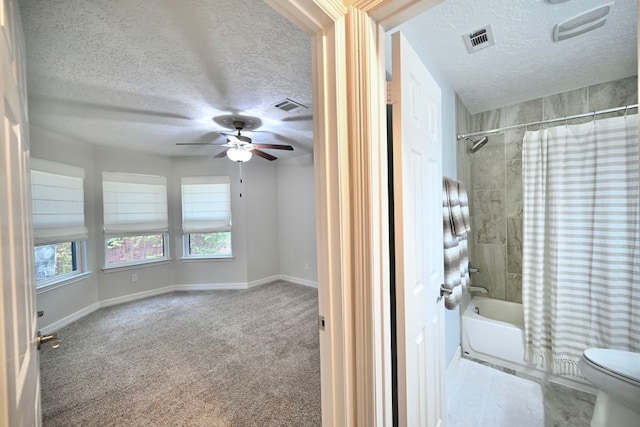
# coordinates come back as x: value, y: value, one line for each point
x: 299, y: 281
x: 263, y: 281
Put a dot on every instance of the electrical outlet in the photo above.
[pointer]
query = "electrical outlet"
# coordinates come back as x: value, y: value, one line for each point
x: 306, y: 265
x: 134, y: 278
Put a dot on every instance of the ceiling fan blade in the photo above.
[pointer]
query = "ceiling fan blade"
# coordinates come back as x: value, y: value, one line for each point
x: 208, y: 138
x: 263, y: 155
x: 198, y: 143
x: 238, y: 139
x: 274, y: 146
x: 220, y: 154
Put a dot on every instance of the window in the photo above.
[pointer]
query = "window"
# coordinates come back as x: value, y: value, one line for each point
x: 135, y: 218
x: 129, y: 249
x: 58, y: 262
x: 206, y: 217
x: 57, y: 196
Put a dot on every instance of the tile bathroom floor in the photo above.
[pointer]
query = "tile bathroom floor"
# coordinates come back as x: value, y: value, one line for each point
x: 481, y: 396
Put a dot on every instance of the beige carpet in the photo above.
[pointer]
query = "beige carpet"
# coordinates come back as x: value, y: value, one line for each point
x: 215, y: 358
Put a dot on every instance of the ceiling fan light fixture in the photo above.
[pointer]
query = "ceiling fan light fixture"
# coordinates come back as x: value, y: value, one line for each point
x: 239, y: 155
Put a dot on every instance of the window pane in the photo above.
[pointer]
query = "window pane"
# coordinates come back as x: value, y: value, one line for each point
x: 216, y: 244
x: 135, y: 248
x: 54, y: 260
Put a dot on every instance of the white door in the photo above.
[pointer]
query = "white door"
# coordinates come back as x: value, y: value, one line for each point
x: 417, y: 186
x: 19, y: 373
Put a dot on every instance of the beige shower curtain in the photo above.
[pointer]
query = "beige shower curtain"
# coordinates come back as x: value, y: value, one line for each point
x: 581, y: 251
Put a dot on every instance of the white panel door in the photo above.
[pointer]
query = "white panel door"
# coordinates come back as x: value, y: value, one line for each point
x: 417, y: 183
x: 19, y: 373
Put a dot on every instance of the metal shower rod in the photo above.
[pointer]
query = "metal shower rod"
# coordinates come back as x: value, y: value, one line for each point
x: 560, y: 119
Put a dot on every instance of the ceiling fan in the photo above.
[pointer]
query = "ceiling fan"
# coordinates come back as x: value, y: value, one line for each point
x: 240, y: 148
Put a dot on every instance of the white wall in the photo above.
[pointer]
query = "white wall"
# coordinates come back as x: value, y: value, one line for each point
x: 198, y: 272
x: 256, y: 223
x: 261, y: 206
x: 297, y: 219
x: 62, y: 302
x: 116, y: 283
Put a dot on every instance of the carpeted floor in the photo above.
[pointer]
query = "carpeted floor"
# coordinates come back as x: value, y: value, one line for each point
x: 215, y: 358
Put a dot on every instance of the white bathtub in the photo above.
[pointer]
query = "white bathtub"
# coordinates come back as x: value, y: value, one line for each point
x: 493, y: 331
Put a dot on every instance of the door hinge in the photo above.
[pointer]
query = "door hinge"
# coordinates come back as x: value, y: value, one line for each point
x: 321, y: 323
x: 392, y: 93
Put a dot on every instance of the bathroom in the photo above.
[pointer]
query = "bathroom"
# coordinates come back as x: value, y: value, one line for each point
x: 493, y: 176
x: 492, y: 170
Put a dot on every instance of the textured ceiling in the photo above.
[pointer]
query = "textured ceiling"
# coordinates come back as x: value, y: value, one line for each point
x: 146, y: 74
x: 525, y: 63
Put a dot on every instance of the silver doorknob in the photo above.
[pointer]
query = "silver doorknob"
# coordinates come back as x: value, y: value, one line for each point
x: 444, y: 291
x: 52, y: 338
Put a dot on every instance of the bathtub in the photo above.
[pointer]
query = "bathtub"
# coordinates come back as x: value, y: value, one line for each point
x: 493, y: 331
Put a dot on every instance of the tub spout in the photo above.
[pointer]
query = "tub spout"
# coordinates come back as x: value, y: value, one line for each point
x: 480, y: 289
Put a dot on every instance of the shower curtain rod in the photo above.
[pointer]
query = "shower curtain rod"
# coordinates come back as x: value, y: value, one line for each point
x: 560, y: 119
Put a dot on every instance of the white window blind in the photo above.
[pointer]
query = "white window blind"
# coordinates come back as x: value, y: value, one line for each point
x: 206, y: 204
x: 57, y: 194
x: 134, y: 204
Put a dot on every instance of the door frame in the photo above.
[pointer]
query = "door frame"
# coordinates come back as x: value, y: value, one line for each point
x: 350, y: 162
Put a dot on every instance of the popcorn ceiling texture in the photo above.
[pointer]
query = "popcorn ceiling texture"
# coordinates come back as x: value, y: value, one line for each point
x: 525, y: 63
x: 145, y: 74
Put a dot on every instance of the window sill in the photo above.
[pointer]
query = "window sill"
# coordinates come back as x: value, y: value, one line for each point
x: 65, y: 282
x: 136, y: 266
x: 207, y: 259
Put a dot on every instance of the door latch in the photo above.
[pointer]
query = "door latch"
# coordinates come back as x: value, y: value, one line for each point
x: 52, y: 338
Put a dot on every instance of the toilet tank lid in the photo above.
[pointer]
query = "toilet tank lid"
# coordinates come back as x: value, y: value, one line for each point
x: 621, y: 362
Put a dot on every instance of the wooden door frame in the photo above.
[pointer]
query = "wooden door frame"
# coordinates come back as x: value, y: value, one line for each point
x: 350, y: 161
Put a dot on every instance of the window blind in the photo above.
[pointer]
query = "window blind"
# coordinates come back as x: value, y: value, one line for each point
x: 134, y: 204
x: 206, y: 204
x: 57, y: 196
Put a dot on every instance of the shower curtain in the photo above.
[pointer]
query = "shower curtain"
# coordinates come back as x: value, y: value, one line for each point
x: 581, y: 250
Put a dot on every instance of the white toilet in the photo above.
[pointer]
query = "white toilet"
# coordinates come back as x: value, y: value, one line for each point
x: 616, y: 375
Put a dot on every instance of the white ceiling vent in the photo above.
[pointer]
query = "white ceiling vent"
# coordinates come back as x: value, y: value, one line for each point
x: 479, y: 39
x: 583, y: 23
x: 288, y: 105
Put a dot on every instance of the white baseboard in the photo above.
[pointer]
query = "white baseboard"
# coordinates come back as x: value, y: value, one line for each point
x: 264, y: 281
x: 454, y: 362
x: 298, y: 281
x: 209, y: 287
x: 138, y: 295
x: 52, y: 327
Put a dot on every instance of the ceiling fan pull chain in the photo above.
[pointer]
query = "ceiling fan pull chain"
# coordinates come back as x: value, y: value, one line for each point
x: 241, y: 184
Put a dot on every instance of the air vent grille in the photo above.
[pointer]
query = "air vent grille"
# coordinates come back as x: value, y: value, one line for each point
x: 288, y: 105
x: 479, y: 39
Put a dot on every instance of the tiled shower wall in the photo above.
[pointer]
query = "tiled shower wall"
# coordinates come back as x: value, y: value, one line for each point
x: 493, y: 177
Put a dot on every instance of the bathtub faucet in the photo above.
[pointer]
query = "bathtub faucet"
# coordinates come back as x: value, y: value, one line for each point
x: 472, y: 269
x: 480, y: 289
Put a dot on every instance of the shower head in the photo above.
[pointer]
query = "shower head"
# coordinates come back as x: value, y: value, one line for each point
x: 478, y: 144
